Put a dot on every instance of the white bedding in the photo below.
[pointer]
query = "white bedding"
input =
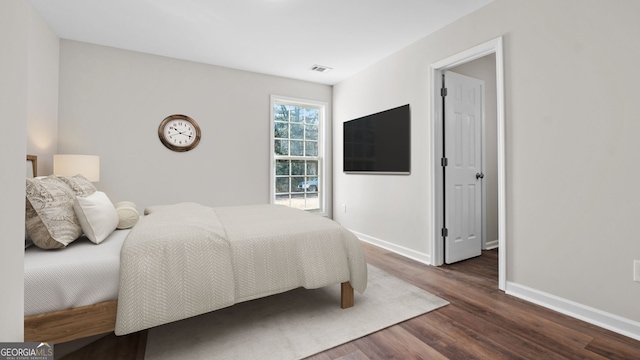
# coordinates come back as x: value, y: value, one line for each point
x: 81, y: 274
x: 186, y: 259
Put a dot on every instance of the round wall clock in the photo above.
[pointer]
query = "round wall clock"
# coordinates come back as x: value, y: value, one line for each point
x: 179, y: 133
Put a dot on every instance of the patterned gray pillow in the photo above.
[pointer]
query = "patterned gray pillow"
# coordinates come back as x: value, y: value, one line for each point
x: 79, y: 184
x: 50, y: 218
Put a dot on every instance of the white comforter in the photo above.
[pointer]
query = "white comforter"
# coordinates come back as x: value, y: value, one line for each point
x: 187, y: 259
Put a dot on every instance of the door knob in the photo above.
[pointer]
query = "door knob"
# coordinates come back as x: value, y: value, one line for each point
x: 479, y: 176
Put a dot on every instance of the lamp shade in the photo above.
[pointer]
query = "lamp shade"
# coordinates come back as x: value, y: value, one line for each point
x: 70, y: 165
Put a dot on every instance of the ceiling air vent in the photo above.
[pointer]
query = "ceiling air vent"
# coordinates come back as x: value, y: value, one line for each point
x: 320, y: 68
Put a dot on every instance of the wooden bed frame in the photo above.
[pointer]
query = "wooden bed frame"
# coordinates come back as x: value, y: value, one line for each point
x: 77, y: 323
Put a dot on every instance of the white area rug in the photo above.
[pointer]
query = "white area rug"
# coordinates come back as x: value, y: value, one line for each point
x: 293, y: 325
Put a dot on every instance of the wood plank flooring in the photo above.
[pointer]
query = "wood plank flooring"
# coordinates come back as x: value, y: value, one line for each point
x: 480, y: 323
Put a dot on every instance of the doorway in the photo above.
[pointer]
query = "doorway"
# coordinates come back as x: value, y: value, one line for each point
x: 437, y: 69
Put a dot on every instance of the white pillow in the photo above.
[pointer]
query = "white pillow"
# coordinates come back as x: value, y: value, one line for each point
x: 97, y: 215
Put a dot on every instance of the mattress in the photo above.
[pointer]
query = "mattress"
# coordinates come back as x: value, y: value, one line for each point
x: 81, y: 274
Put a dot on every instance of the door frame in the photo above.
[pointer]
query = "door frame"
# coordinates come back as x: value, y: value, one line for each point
x: 437, y: 187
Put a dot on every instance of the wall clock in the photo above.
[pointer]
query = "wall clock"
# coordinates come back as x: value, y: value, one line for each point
x: 179, y: 133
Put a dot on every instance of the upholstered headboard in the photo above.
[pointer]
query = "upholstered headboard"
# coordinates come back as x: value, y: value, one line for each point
x: 32, y: 166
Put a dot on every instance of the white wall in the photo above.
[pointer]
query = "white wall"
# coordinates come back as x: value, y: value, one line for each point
x: 112, y: 101
x: 26, y: 82
x: 42, y: 87
x: 571, y: 128
x: 13, y: 112
x: 388, y: 210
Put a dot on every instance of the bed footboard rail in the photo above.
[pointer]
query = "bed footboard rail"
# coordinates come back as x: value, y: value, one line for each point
x: 72, y: 324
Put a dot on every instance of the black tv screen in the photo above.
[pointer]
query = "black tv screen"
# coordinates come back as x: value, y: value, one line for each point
x: 378, y: 143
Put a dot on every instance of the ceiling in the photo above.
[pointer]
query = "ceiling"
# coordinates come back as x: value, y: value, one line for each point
x: 276, y: 37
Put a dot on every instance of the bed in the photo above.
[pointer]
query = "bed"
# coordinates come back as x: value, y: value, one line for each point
x: 125, y: 283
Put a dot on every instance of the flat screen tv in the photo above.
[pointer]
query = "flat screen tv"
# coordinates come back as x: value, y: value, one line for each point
x: 378, y: 143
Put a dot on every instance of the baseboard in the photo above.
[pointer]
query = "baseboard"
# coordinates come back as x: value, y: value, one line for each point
x: 490, y: 245
x: 585, y: 313
x: 400, y: 250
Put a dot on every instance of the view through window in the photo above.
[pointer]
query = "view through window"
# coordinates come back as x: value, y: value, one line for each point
x: 297, y: 154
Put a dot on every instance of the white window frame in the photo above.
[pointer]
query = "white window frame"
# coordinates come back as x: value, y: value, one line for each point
x: 322, y: 149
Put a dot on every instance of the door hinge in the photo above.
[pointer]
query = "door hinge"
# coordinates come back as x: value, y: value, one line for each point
x: 443, y: 92
x: 445, y: 232
x: 444, y: 162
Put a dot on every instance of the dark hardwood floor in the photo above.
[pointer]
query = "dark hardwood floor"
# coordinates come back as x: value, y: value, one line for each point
x: 481, y: 322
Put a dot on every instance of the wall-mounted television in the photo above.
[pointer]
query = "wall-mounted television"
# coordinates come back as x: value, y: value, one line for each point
x: 379, y: 143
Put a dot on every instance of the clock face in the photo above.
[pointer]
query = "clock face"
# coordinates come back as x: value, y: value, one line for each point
x: 179, y: 133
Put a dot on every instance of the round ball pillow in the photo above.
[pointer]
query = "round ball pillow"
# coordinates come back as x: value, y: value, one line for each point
x: 127, y: 213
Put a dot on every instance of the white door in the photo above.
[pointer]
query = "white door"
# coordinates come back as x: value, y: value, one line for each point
x: 463, y: 109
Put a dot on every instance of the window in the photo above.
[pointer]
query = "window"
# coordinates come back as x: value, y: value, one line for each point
x: 297, y: 128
